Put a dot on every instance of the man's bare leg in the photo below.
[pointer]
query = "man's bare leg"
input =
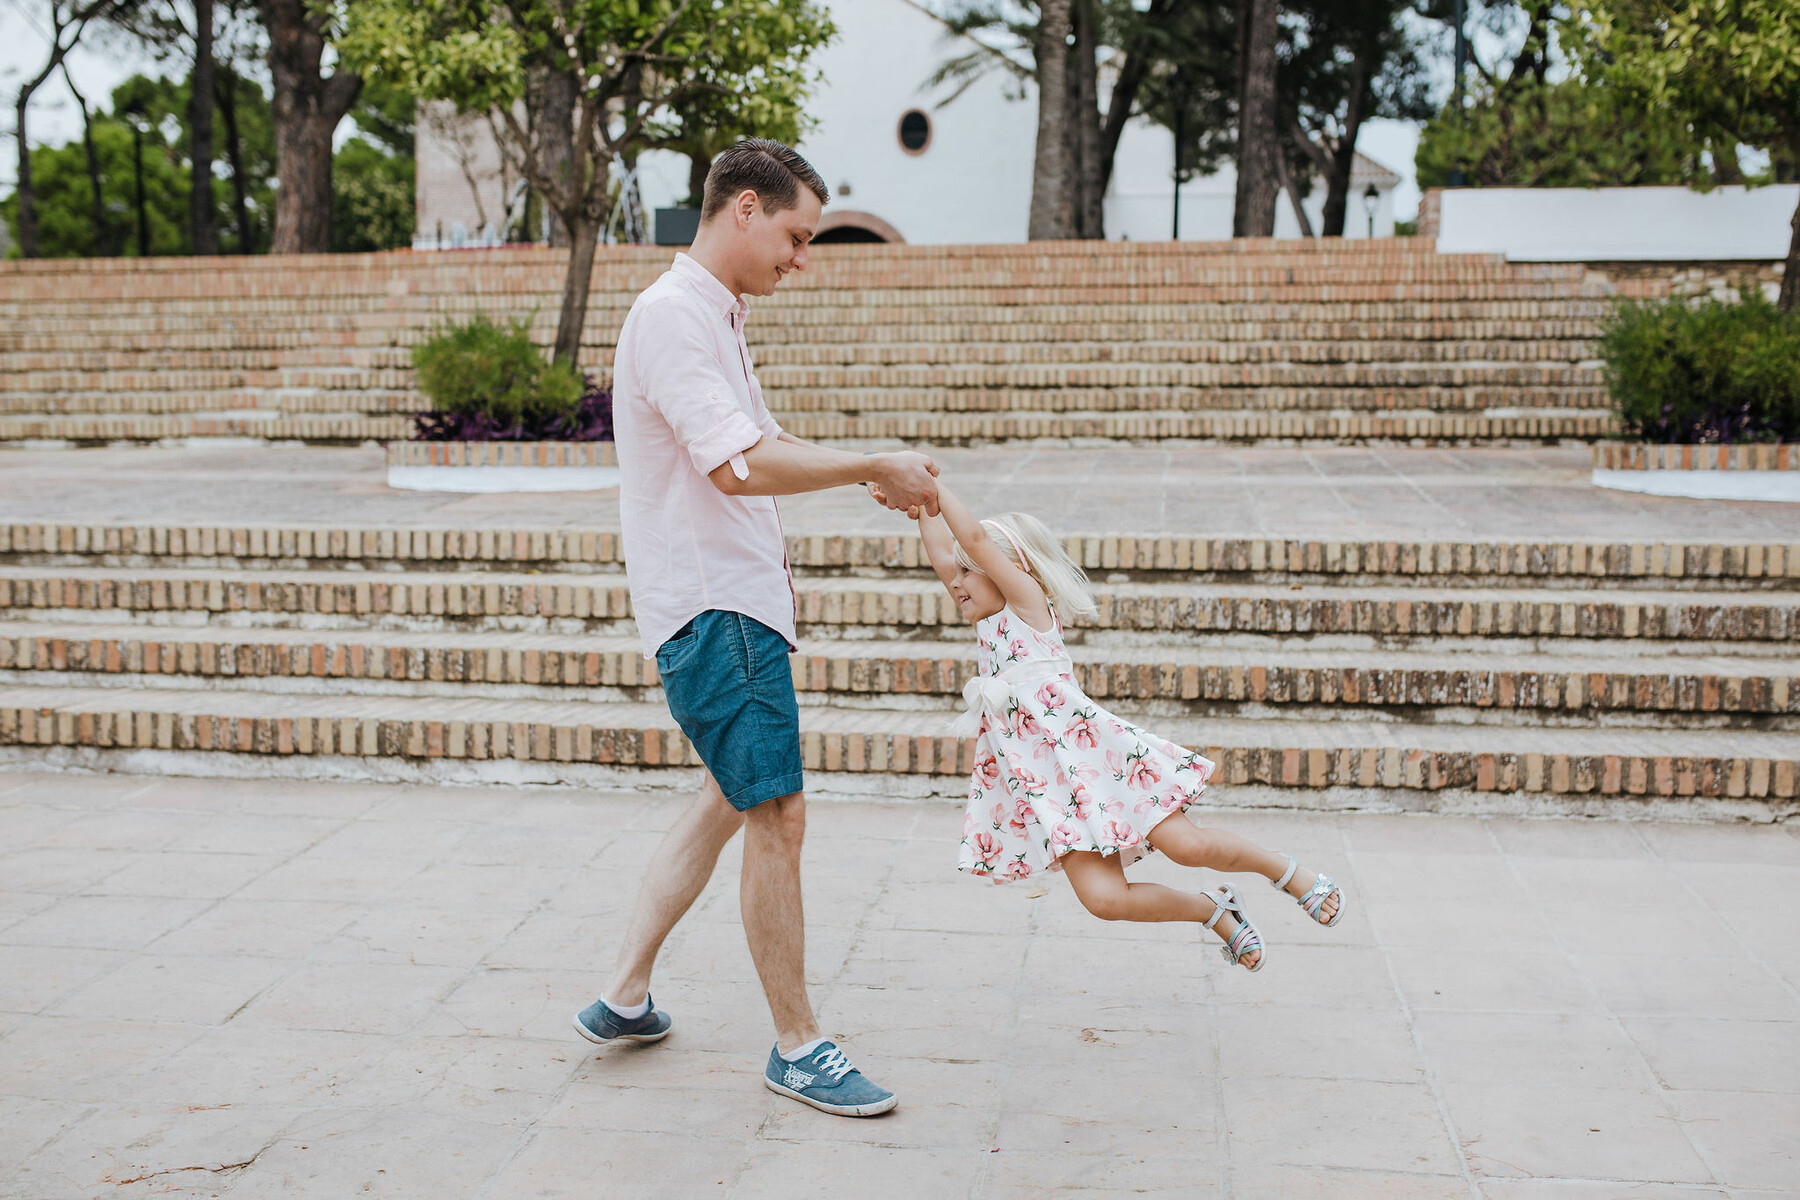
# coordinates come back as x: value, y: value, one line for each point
x: 774, y: 924
x: 676, y: 876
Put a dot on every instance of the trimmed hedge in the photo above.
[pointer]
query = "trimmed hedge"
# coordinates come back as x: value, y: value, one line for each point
x: 1683, y: 371
x: 487, y: 382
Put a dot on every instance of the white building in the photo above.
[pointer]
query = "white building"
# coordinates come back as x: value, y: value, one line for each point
x: 905, y: 165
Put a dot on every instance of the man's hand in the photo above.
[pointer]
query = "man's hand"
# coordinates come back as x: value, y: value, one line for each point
x: 907, y: 482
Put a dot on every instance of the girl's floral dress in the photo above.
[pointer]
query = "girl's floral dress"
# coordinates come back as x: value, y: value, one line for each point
x: 1058, y: 772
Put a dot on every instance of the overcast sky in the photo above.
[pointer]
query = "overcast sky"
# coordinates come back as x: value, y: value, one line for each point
x: 98, y: 68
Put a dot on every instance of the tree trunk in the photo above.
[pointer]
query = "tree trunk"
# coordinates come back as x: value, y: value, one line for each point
x: 1258, y: 174
x: 103, y: 231
x: 225, y: 91
x: 28, y: 223
x: 202, y: 217
x: 699, y: 164
x: 1089, y: 192
x: 1292, y: 189
x: 307, y: 108
x: 1138, y: 59
x: 553, y: 125
x: 1343, y: 158
x: 1050, y: 200
x: 1789, y: 299
x: 584, y: 232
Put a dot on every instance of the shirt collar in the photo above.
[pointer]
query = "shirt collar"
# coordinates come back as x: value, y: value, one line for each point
x: 716, y: 294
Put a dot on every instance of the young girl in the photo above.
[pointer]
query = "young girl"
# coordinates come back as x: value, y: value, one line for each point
x: 1059, y: 782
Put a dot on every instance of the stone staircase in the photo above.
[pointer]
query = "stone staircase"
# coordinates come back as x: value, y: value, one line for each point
x: 1243, y: 340
x: 1458, y: 675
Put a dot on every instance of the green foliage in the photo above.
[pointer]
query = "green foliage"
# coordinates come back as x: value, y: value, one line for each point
x: 1706, y: 371
x: 65, y: 204
x: 1571, y: 134
x: 481, y: 368
x: 372, y: 199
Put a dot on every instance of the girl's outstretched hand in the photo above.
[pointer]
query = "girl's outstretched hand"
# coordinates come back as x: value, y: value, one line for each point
x: 880, y: 497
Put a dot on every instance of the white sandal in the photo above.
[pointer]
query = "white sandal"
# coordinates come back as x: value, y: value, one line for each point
x: 1245, y: 939
x: 1313, y: 902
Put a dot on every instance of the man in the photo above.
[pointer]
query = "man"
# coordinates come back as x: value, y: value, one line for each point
x: 702, y: 461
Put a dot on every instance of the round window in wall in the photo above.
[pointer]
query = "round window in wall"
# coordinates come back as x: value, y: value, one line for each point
x: 915, y: 132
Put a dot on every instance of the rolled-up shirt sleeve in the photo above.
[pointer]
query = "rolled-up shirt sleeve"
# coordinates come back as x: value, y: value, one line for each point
x: 681, y: 378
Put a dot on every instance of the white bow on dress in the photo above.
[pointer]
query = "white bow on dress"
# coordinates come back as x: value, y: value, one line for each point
x: 987, y: 695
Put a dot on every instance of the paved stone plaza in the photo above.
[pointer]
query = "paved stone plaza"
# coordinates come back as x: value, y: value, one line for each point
x: 1318, y: 492
x: 303, y: 989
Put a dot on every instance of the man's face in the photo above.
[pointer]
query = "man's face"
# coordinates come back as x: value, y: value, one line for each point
x: 776, y: 242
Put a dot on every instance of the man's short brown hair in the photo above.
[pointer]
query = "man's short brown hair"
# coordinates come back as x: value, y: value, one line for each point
x: 764, y: 166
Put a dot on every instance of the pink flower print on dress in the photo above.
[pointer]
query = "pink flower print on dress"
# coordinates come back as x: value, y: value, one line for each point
x: 1112, y: 806
x: 1017, y: 648
x: 1030, y: 780
x: 1021, y: 815
x: 998, y: 816
x: 1082, y: 733
x: 988, y: 849
x: 1117, y: 726
x: 1025, y: 725
x: 1016, y: 869
x: 1121, y: 834
x: 1081, y: 802
x: 1115, y: 762
x: 1141, y: 775
x: 988, y: 770
x: 1085, y: 771
x: 1065, y: 836
x: 1051, y: 696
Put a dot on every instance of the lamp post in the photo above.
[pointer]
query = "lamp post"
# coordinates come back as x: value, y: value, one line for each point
x: 1371, y: 201
x: 134, y: 116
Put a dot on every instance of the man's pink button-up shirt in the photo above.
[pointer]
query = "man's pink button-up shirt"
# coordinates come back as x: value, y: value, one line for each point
x: 686, y: 401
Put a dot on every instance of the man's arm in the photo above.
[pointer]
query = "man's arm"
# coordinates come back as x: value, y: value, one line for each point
x: 788, y: 466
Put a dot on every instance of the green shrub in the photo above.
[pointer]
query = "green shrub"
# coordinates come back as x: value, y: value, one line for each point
x: 1704, y: 371
x: 493, y: 372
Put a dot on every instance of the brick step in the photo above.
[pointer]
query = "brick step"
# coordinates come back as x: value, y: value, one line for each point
x: 1475, y: 397
x: 905, y: 606
x: 68, y: 369
x: 1292, y: 754
x: 1233, y: 558
x: 1588, y: 688
x: 1077, y: 346
x: 830, y: 267
x: 792, y: 310
x: 1099, y: 375
x: 247, y: 403
x: 274, y: 427
x: 332, y: 340
x: 1423, y: 429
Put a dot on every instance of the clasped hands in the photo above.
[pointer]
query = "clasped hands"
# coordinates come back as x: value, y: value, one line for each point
x: 905, y: 482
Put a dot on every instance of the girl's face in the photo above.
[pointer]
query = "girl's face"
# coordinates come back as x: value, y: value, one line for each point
x: 975, y: 594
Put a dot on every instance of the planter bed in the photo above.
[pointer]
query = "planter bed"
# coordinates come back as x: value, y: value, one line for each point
x: 502, y: 466
x: 1759, y: 471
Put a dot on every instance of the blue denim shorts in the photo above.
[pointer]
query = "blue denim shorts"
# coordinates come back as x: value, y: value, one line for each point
x: 731, y: 690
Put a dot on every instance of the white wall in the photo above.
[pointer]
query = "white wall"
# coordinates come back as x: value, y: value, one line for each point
x: 1653, y: 224
x: 973, y: 181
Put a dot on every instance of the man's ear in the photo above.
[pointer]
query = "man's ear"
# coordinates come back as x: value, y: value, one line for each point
x: 743, y: 206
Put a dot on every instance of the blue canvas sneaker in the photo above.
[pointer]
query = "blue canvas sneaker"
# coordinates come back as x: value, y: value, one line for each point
x: 598, y: 1023
x: 826, y: 1080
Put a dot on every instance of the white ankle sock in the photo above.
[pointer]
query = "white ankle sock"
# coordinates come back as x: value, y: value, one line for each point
x: 803, y: 1051
x: 628, y: 1011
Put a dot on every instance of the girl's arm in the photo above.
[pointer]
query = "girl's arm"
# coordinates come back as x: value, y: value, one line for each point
x: 940, y: 547
x: 1021, y: 591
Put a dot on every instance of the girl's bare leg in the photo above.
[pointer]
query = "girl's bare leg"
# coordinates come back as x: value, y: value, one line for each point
x: 1187, y: 844
x: 1100, y: 884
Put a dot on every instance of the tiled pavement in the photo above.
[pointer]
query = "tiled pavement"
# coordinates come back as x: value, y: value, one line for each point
x: 250, y: 989
x: 1319, y: 492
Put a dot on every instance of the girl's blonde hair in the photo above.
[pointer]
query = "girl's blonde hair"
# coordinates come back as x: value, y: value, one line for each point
x: 1021, y: 536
